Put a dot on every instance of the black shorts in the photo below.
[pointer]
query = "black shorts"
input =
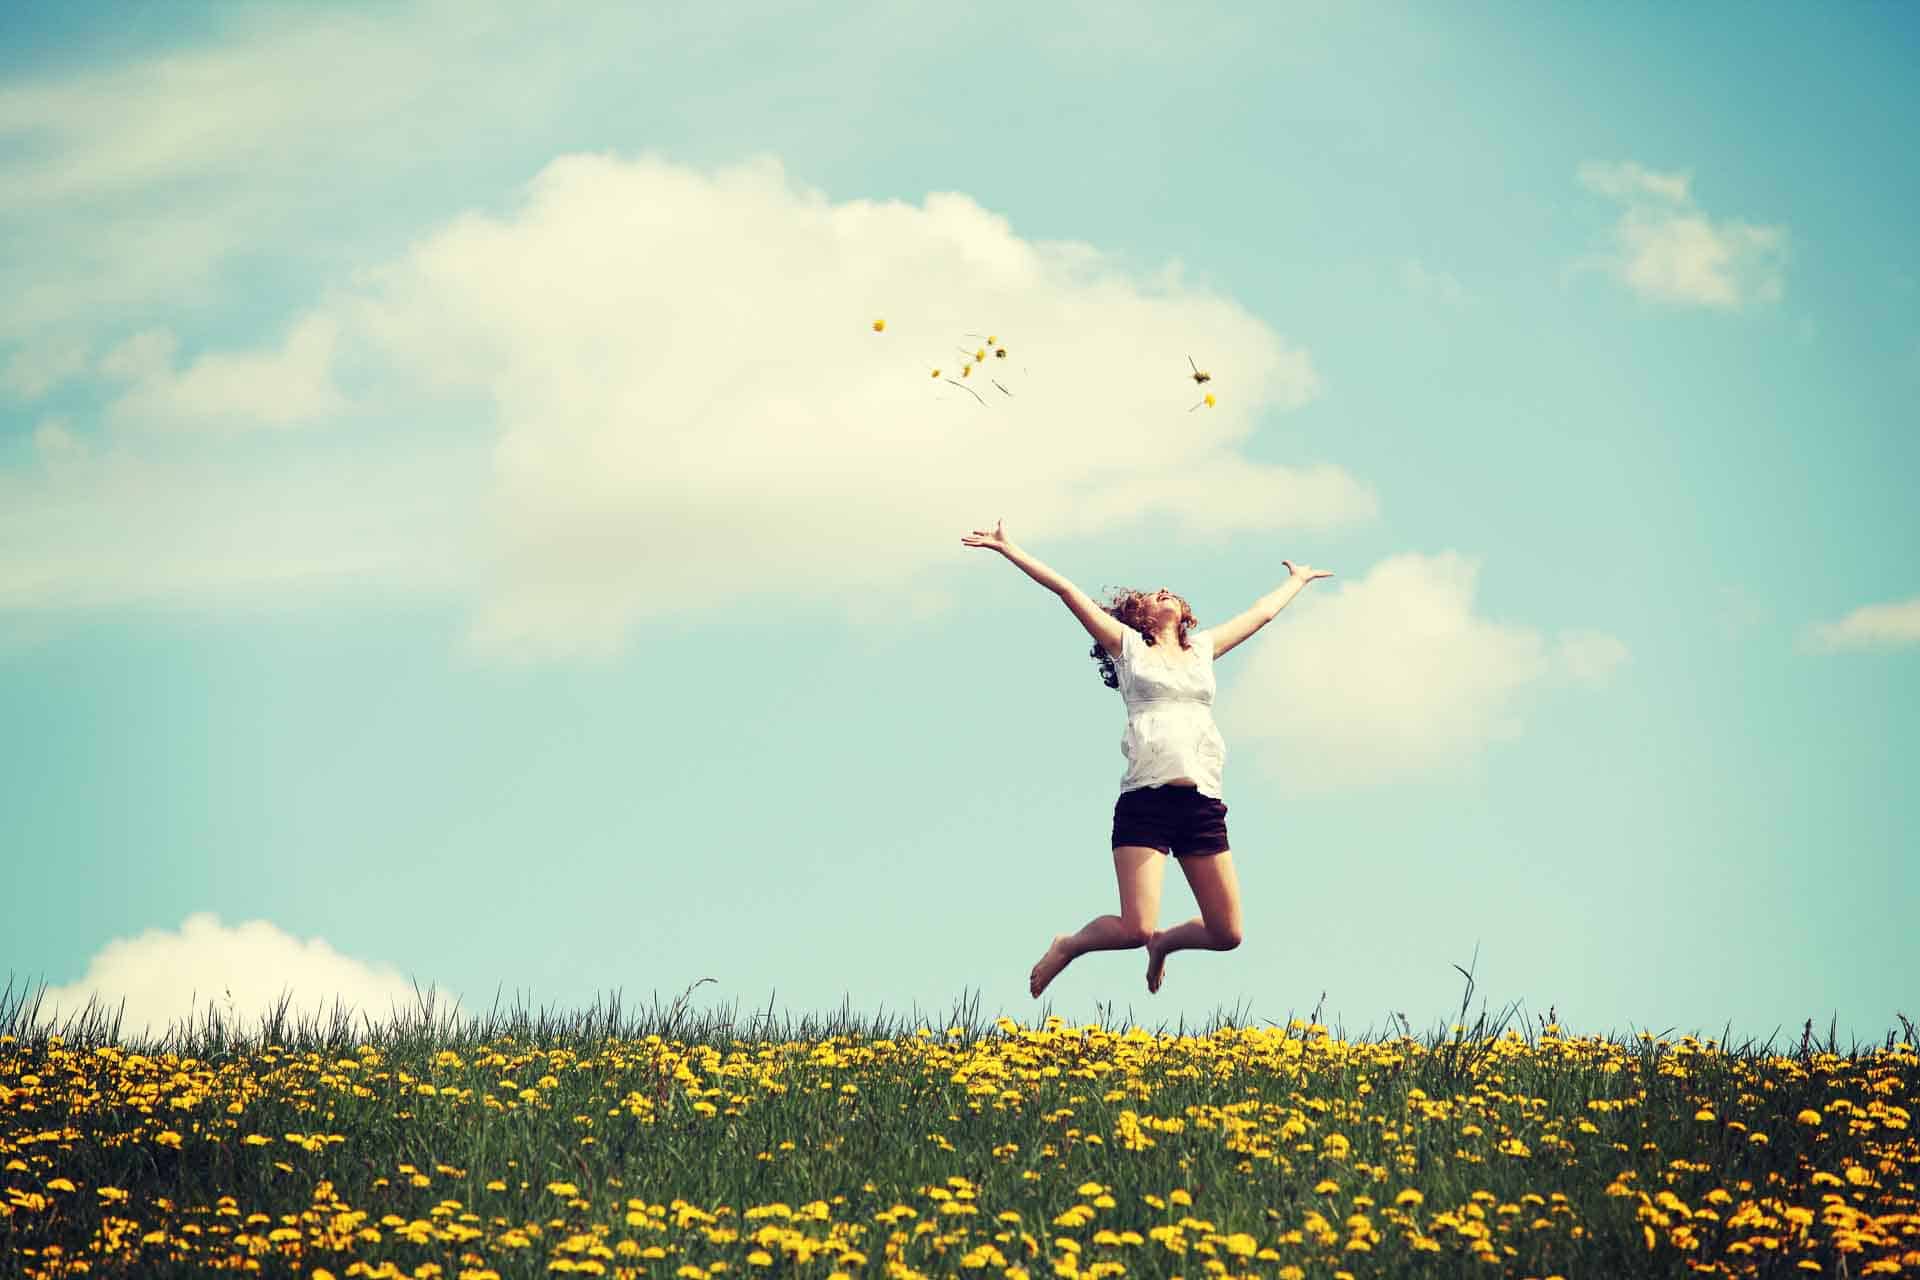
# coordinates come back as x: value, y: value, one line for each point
x: 1173, y: 819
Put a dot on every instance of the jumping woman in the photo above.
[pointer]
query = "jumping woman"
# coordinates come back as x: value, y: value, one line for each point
x: 1170, y: 797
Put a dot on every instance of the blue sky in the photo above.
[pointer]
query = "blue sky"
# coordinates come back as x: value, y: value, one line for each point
x: 457, y: 523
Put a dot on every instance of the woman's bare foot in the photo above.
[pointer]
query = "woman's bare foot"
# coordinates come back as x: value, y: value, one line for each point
x: 1050, y: 965
x: 1156, y: 965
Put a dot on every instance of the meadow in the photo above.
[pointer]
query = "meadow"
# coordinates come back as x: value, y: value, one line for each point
x: 685, y: 1145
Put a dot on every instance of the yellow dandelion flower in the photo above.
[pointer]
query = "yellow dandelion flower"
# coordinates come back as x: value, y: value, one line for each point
x: 1409, y: 1196
x: 1209, y: 399
x: 991, y: 339
x: 1809, y: 1117
x: 936, y: 373
x: 1704, y: 1113
x: 879, y: 326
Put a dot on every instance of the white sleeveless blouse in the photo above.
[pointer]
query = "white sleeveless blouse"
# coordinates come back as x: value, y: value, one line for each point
x: 1170, y: 731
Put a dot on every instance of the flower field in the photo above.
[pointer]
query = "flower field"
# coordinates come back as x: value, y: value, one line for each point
x: 971, y: 1151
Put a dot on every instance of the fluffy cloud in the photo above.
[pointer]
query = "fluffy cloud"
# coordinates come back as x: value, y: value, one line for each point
x: 238, y: 974
x: 1665, y: 248
x: 1393, y: 675
x: 227, y: 390
x: 655, y: 391
x: 1873, y: 626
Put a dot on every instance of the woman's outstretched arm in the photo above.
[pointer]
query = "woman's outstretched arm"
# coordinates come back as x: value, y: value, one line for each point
x: 1232, y: 632
x: 1100, y: 624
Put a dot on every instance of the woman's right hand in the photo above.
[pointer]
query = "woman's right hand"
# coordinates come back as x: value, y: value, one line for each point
x: 995, y: 541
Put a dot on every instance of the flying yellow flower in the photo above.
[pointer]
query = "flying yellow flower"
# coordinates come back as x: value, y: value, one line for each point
x: 980, y: 353
x: 879, y: 326
x: 936, y: 373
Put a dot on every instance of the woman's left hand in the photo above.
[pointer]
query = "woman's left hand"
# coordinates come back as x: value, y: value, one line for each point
x: 1303, y: 574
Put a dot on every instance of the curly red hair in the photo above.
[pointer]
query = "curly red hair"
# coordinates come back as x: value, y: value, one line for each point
x: 1131, y: 608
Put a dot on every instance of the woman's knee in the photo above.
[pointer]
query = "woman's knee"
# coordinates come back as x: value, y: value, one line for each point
x: 1225, y: 937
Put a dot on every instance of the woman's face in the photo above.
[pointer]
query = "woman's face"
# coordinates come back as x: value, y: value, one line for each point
x: 1166, y: 606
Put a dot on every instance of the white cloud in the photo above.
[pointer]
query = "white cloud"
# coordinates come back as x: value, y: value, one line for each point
x: 37, y: 368
x: 1426, y: 282
x: 1589, y: 656
x: 693, y: 404
x: 1628, y: 181
x: 1668, y: 250
x: 1390, y: 675
x: 284, y: 138
x: 228, y: 390
x: 142, y: 180
x: 666, y: 396
x: 243, y: 972
x: 1891, y: 625
x: 57, y: 444
x: 100, y: 524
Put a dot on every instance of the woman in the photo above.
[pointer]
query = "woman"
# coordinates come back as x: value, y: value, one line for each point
x: 1170, y: 797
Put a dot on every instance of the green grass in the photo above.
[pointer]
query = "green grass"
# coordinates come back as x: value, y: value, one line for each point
x: 519, y: 1145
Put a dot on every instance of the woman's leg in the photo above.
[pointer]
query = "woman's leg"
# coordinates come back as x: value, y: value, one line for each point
x: 1216, y: 928
x: 1139, y: 870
